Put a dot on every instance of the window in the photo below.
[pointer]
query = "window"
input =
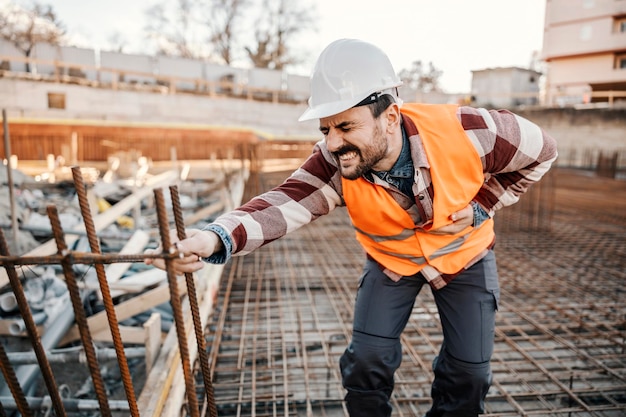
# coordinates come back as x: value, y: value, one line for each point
x: 620, y: 61
x: 56, y: 100
x: 619, y: 23
x: 589, y: 4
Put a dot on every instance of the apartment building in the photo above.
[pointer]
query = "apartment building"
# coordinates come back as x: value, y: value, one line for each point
x: 584, y: 47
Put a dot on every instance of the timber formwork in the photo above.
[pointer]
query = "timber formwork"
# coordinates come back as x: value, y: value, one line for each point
x: 284, y: 314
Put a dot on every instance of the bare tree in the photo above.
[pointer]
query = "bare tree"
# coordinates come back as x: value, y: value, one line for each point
x: 421, y: 80
x: 214, y: 29
x: 174, y: 29
x: 278, y: 23
x: 117, y: 42
x: 224, y: 19
x: 24, y: 27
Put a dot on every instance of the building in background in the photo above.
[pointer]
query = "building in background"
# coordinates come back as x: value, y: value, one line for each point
x: 584, y: 47
x: 507, y: 87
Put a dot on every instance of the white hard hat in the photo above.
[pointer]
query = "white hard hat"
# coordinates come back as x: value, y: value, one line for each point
x: 347, y: 71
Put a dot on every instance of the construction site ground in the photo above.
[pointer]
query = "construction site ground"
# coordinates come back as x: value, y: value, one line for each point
x: 284, y: 314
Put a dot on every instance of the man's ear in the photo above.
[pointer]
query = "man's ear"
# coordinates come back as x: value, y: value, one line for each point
x: 393, y: 117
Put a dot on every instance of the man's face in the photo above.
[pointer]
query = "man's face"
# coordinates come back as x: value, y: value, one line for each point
x: 356, y: 140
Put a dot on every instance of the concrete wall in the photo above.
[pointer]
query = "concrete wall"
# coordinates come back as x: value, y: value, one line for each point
x: 29, y: 99
x: 588, y: 128
x: 582, y: 135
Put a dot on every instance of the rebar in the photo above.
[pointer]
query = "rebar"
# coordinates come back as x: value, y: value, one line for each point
x: 33, y: 334
x: 14, y: 385
x: 560, y: 348
x: 195, y: 310
x: 285, y: 315
x: 175, y: 301
x: 86, y: 258
x: 105, y: 290
x: 79, y: 313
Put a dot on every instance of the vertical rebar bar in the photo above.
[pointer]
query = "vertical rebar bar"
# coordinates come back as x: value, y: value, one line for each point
x: 195, y: 311
x: 33, y: 333
x: 176, y: 305
x: 79, y: 313
x: 11, y: 378
x: 107, y: 300
x: 7, y: 154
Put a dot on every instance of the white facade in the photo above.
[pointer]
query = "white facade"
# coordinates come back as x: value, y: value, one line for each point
x: 584, y: 47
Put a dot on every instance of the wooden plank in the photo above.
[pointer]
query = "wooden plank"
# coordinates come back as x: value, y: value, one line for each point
x: 124, y: 310
x: 164, y: 387
x: 130, y: 335
x: 136, y: 244
x: 205, y: 212
x: 7, y: 328
x: 138, y: 282
x: 152, y: 340
x: 176, y: 396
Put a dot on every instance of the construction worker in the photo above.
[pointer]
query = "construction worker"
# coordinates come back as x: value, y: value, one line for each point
x: 421, y: 184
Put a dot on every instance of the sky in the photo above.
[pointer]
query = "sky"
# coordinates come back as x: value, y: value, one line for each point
x: 457, y: 36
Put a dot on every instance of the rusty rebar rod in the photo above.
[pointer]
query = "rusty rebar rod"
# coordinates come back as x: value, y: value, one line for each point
x: 107, y: 299
x: 87, y: 258
x: 33, y: 333
x: 195, y: 310
x: 176, y: 304
x: 79, y: 313
x: 11, y: 378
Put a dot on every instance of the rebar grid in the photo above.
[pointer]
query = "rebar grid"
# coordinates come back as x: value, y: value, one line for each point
x: 560, y: 350
x: 67, y: 259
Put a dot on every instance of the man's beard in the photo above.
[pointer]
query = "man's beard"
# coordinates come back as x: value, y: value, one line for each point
x: 368, y: 157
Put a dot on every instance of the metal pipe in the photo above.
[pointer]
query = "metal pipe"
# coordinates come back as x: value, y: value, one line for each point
x: 18, y: 326
x: 8, y: 302
x: 51, y: 337
x: 43, y: 403
x: 73, y: 355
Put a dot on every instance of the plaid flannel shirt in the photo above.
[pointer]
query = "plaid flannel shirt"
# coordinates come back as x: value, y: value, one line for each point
x: 515, y: 153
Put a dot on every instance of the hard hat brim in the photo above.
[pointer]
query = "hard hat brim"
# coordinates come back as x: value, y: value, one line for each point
x: 328, y: 109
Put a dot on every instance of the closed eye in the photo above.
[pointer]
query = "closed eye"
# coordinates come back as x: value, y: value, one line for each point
x: 344, y: 127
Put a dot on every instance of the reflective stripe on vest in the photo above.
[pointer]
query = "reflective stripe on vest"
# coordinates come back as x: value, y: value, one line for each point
x: 387, y: 232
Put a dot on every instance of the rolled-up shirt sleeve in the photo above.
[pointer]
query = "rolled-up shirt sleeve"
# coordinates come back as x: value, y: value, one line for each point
x: 514, y: 151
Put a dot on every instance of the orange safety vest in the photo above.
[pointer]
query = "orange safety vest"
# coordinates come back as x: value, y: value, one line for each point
x: 385, y: 229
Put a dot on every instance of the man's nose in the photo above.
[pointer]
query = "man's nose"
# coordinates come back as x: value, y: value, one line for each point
x: 334, y: 141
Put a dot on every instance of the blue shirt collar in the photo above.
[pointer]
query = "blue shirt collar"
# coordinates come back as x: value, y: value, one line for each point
x: 403, y: 167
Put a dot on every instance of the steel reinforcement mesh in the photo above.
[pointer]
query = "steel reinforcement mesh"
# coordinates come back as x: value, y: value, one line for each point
x: 284, y: 314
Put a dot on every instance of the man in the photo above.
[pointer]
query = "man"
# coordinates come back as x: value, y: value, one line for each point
x: 421, y: 184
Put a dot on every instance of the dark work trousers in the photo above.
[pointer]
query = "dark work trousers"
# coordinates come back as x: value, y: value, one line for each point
x: 467, y: 308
